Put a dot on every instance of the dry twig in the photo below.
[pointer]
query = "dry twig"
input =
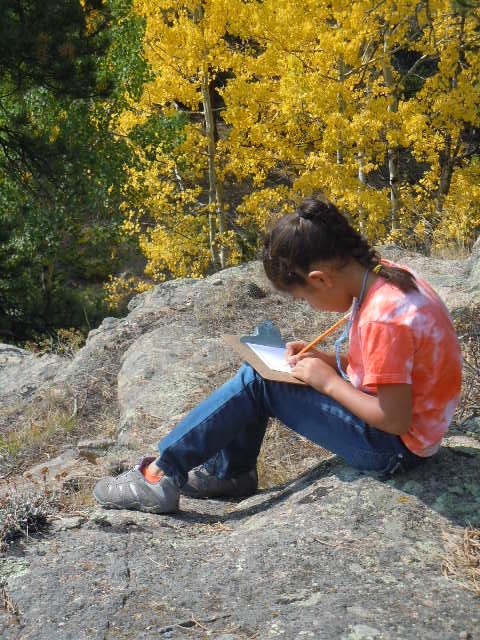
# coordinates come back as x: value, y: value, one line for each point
x: 7, y: 603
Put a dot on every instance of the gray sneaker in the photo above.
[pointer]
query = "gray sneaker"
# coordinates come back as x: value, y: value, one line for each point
x: 130, y: 490
x: 202, y: 484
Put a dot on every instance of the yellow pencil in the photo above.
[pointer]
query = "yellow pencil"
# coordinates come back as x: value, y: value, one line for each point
x: 323, y: 335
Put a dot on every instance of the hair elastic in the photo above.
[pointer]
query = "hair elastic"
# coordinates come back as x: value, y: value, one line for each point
x: 377, y: 268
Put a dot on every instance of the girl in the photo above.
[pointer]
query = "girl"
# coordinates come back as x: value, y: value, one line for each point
x: 383, y: 408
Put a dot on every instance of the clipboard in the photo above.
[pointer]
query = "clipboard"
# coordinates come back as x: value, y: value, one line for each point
x: 247, y: 354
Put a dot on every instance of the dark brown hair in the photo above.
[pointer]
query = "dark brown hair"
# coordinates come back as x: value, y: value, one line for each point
x: 317, y: 231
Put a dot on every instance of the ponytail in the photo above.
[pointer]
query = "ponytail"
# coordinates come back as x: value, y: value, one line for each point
x: 397, y: 276
x: 317, y: 231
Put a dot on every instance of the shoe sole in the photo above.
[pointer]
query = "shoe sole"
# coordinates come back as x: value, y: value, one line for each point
x: 134, y: 506
x: 198, y: 496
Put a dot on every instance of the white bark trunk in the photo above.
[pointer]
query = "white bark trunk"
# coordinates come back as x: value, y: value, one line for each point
x: 362, y: 183
x: 341, y: 107
x: 393, y: 155
x: 215, y: 196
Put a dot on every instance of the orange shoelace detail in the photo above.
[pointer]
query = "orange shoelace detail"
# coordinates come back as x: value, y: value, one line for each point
x: 149, y: 477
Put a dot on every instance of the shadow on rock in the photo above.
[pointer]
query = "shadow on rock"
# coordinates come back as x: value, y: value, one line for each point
x: 449, y: 484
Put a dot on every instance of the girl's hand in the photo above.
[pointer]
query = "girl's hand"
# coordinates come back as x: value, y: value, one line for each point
x: 293, y: 358
x: 293, y: 348
x: 316, y: 373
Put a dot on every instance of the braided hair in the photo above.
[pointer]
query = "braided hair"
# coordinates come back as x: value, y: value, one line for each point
x: 317, y: 231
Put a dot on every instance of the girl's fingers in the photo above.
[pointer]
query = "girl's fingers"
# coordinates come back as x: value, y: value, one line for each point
x: 294, y: 347
x: 292, y: 352
x: 297, y: 358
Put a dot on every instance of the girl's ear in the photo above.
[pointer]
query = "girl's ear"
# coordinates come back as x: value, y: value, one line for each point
x: 320, y: 277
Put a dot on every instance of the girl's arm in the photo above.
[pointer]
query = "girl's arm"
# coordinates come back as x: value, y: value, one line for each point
x: 390, y: 411
x: 327, y: 356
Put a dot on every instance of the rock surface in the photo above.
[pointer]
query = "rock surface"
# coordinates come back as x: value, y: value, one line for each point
x: 23, y: 373
x: 155, y: 377
x: 331, y: 554
x: 474, y: 275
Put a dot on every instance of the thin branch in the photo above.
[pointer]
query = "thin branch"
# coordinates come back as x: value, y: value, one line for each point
x: 375, y: 7
x: 365, y: 65
x: 413, y: 68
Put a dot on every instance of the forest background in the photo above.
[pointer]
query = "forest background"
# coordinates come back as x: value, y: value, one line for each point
x: 142, y: 140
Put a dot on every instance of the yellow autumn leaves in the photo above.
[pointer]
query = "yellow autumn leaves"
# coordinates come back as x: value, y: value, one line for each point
x: 374, y: 103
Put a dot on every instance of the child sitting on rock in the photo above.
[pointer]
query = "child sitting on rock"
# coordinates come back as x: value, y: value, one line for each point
x: 383, y: 408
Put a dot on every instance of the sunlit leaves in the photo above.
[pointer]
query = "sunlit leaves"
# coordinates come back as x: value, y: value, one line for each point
x: 376, y: 104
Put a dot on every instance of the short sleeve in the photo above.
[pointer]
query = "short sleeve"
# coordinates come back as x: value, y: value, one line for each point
x: 387, y: 353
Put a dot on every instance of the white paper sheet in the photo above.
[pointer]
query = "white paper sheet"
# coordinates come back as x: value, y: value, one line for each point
x: 273, y: 357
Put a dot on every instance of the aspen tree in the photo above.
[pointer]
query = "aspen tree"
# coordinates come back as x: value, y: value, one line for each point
x: 333, y: 100
x: 440, y: 122
x: 185, y: 47
x: 303, y: 105
x: 344, y: 97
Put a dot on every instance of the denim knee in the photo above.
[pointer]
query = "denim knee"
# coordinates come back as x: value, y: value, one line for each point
x: 248, y: 374
x: 251, y: 381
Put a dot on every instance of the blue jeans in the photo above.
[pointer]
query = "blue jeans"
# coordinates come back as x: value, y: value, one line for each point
x: 226, y: 430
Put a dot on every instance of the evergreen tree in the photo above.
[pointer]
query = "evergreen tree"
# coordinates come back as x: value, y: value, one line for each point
x: 67, y: 69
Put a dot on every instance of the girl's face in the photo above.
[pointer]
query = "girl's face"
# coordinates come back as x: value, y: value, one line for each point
x: 322, y: 300
x: 324, y: 291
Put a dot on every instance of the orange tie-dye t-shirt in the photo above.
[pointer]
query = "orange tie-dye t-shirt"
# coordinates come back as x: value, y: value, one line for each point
x: 409, y: 338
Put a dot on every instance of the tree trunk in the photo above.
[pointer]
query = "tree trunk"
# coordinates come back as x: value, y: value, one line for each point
x: 393, y: 173
x: 341, y: 107
x: 215, y: 196
x: 362, y: 183
x: 447, y: 166
x: 393, y: 155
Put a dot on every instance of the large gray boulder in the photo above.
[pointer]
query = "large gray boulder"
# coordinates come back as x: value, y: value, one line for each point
x: 23, y: 373
x: 182, y: 357
x: 152, y: 365
x: 331, y: 555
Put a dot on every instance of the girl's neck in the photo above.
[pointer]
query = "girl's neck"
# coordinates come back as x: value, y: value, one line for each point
x: 353, y: 275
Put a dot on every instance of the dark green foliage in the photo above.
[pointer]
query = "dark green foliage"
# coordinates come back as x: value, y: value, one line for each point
x: 159, y: 132
x: 45, y: 51
x: 44, y: 43
x: 65, y: 75
x: 123, y: 59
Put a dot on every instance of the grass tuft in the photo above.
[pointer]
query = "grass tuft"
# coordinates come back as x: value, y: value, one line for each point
x: 35, y: 432
x: 23, y: 513
x: 285, y: 455
x: 462, y: 561
x: 467, y: 325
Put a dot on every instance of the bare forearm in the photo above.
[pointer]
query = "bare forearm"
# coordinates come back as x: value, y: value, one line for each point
x: 390, y: 410
x: 369, y: 408
x: 331, y: 359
